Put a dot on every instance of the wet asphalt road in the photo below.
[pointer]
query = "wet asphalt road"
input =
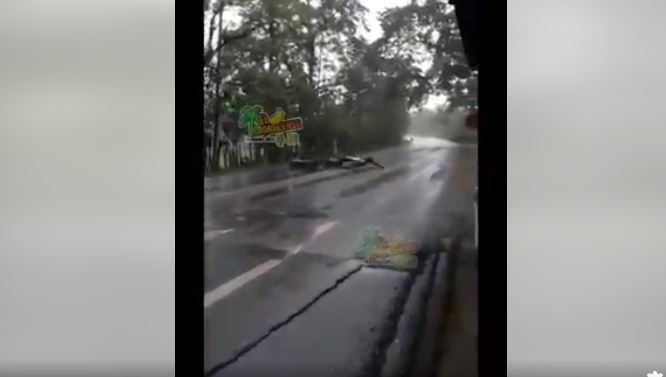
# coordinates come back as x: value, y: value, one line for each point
x: 270, y: 253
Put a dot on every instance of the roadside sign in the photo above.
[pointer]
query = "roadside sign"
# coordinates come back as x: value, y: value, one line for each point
x: 274, y: 129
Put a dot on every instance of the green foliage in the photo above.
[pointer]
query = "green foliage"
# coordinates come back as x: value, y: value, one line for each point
x: 306, y: 57
x: 432, y: 26
x: 368, y: 241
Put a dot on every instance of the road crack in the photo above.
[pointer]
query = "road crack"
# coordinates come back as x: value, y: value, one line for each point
x: 421, y: 322
x: 389, y: 328
x: 252, y: 345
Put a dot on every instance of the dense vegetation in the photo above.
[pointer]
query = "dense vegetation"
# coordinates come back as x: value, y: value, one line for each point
x: 310, y: 58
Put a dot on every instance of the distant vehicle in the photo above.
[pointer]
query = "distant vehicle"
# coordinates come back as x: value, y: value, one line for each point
x: 408, y: 139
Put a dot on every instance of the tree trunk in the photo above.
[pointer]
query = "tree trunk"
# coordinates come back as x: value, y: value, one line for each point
x: 311, y: 45
x: 271, y: 56
x: 218, y: 96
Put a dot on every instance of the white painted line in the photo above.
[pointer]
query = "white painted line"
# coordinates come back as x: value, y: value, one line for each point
x: 323, y: 228
x: 229, y: 287
x: 429, y: 169
x: 215, y: 233
x: 297, y: 249
x: 319, y: 230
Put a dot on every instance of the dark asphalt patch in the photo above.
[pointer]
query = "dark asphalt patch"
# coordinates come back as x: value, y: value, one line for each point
x: 400, y: 351
x: 419, y: 311
x: 389, y: 327
x: 375, y: 182
x: 439, y: 309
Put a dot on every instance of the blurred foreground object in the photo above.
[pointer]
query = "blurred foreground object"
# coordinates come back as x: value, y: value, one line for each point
x: 468, y: 19
x: 472, y: 120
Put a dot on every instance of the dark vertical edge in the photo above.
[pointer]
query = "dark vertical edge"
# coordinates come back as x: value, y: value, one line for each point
x: 492, y: 188
x: 189, y: 189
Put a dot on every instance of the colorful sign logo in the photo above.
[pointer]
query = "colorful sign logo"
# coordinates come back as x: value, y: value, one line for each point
x: 395, y: 252
x: 275, y: 128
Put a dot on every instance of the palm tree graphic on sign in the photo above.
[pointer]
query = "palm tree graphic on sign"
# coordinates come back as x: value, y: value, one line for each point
x: 249, y: 118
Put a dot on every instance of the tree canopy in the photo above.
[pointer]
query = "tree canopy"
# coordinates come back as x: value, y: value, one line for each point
x: 310, y: 58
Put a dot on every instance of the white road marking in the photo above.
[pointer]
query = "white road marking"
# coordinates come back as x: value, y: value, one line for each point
x: 431, y: 168
x: 215, y: 233
x: 319, y: 230
x: 229, y: 287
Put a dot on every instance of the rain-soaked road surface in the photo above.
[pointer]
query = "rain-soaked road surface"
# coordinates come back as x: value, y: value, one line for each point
x: 283, y: 292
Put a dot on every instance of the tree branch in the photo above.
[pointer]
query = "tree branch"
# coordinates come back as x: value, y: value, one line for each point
x: 226, y: 39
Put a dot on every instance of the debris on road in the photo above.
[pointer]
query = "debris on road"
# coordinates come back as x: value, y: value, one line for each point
x: 395, y: 252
